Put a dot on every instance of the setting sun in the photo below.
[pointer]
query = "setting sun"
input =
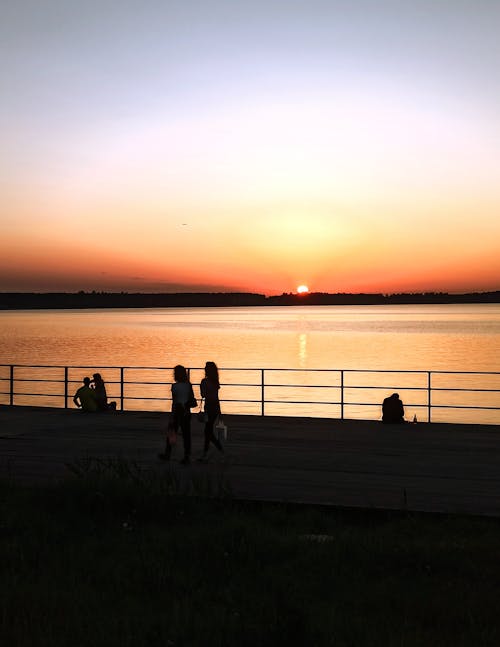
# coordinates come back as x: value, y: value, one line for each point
x: 311, y: 162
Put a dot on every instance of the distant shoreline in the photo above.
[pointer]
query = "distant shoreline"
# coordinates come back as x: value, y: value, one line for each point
x: 110, y: 300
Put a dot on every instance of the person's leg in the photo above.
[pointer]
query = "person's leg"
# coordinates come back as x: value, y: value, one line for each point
x: 168, y: 450
x: 209, y: 433
x: 171, y: 426
x: 217, y: 442
x: 186, y: 436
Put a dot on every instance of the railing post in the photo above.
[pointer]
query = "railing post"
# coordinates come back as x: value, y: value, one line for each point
x: 342, y: 394
x: 262, y: 401
x: 65, y: 387
x: 121, y: 387
x: 429, y: 391
x: 11, y: 398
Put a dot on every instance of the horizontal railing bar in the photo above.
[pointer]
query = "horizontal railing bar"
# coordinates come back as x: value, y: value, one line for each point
x: 127, y: 382
x: 44, y: 380
x: 298, y: 386
x: 442, y: 388
x: 462, y: 406
x: 238, y: 400
x: 141, y: 397
x: 289, y: 402
x: 272, y: 384
x: 423, y: 388
x: 288, y: 386
x: 40, y: 395
x: 296, y: 370
x: 346, y: 404
x: 388, y: 388
x: 283, y: 386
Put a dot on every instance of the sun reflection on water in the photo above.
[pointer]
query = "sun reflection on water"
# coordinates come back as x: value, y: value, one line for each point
x: 302, y: 349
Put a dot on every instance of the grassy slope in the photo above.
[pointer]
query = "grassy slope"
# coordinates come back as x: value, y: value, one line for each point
x: 112, y: 558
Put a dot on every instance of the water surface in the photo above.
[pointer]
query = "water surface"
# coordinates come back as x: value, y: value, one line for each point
x: 463, y: 337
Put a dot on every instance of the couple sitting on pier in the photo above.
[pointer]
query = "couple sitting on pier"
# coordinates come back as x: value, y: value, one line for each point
x: 92, y: 395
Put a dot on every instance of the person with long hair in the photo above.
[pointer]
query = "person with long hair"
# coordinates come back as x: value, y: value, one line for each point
x: 182, y: 393
x: 209, y: 388
x: 101, y: 397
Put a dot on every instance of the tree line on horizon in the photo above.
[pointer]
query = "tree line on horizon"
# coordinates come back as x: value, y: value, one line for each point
x: 94, y: 299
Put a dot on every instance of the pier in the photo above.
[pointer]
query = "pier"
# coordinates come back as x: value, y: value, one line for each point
x: 437, y: 467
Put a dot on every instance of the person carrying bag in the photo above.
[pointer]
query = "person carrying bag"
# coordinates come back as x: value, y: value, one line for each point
x: 209, y: 388
x: 183, y: 401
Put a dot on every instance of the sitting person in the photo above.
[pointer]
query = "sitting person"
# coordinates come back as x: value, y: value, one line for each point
x: 392, y: 409
x: 101, y: 397
x: 85, y: 398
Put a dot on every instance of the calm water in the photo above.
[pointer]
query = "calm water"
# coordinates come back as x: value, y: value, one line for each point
x: 396, y: 338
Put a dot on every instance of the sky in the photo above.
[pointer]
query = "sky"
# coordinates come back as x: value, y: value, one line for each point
x: 216, y: 145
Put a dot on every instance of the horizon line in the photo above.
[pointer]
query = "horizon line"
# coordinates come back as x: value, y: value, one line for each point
x: 240, y: 292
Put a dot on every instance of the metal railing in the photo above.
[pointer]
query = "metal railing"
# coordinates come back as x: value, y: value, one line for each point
x: 336, y: 393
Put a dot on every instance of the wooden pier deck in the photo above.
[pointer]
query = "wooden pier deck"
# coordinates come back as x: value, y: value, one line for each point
x: 446, y: 468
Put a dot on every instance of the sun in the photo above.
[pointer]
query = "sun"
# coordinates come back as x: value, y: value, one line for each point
x: 302, y: 289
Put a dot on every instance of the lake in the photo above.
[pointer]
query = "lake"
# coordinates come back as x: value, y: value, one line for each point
x: 395, y: 338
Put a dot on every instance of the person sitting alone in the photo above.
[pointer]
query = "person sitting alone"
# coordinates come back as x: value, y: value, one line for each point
x: 392, y: 409
x: 84, y: 398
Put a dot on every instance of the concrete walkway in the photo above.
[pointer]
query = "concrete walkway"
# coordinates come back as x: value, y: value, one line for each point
x: 436, y: 468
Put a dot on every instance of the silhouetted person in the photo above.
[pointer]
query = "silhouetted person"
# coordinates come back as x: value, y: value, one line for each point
x: 209, y: 388
x: 101, y: 396
x: 182, y: 393
x: 84, y: 398
x: 392, y: 409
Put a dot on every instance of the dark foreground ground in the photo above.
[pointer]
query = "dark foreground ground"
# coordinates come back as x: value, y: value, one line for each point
x: 423, y: 467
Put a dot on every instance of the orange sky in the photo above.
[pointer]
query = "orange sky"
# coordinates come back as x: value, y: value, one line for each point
x: 160, y: 150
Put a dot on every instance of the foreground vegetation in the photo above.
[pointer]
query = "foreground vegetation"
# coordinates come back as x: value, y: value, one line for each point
x: 118, y: 557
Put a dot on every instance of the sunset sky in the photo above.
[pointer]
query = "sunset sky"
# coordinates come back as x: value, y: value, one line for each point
x: 155, y: 145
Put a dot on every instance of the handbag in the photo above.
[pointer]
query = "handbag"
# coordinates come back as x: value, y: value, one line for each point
x: 221, y: 429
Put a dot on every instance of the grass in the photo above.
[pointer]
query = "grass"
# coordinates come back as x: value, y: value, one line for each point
x: 116, y: 556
